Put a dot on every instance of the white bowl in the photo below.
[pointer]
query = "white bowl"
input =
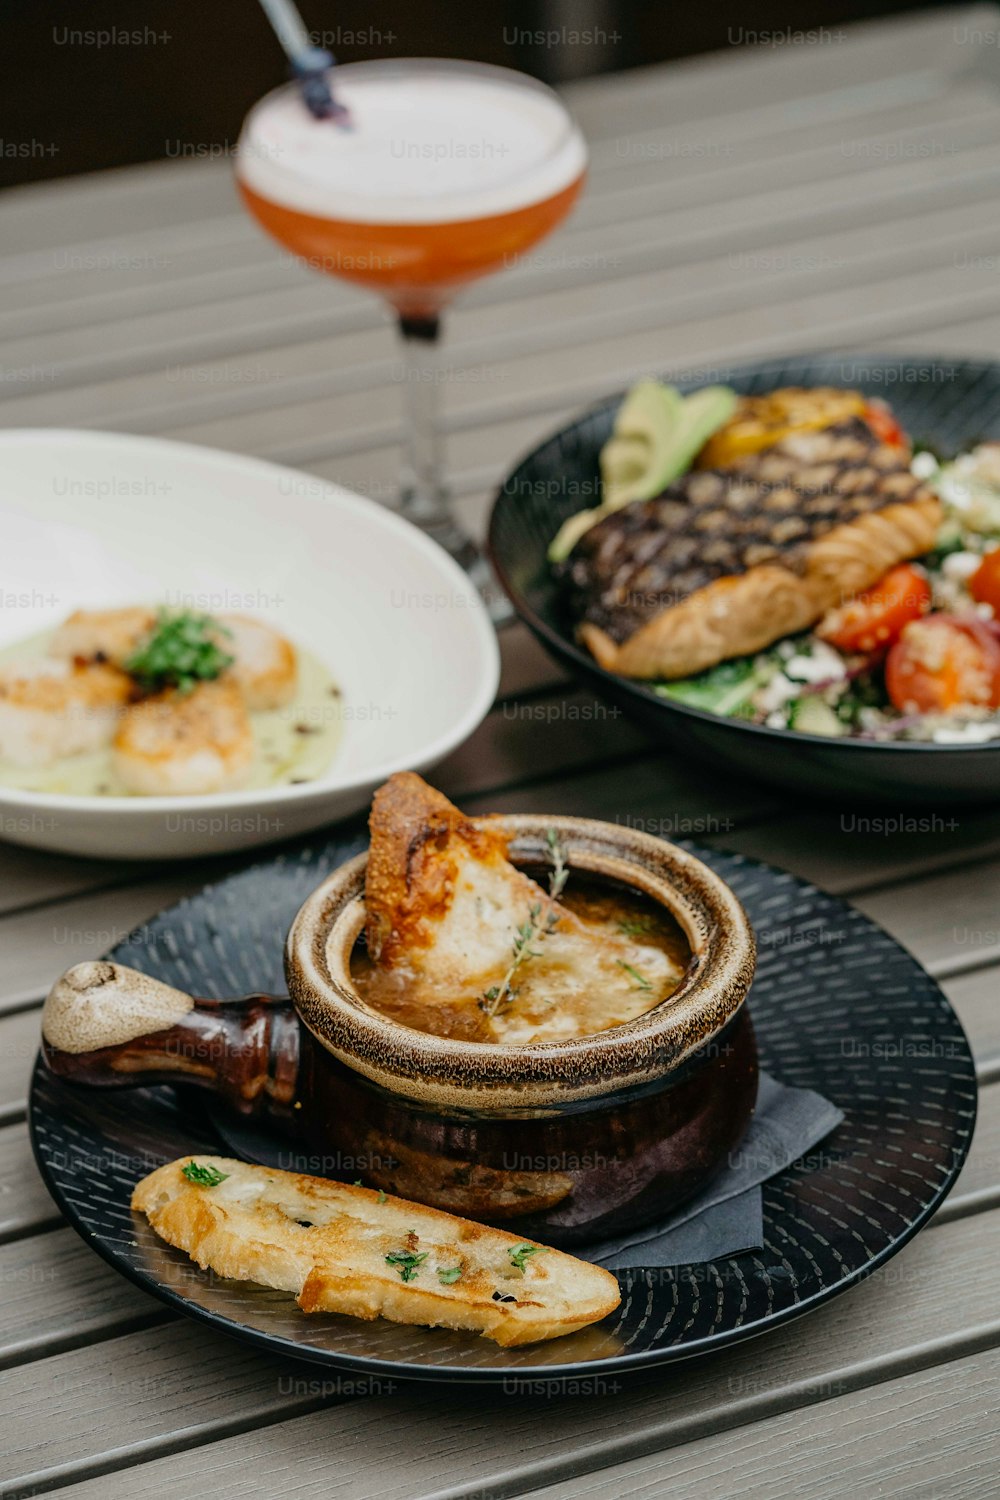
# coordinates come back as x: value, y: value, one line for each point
x: 93, y: 519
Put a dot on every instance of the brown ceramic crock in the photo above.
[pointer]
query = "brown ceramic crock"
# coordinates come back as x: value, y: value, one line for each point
x: 565, y: 1141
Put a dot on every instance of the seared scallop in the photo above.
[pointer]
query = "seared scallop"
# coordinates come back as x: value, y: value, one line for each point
x: 103, y: 634
x: 53, y: 708
x: 265, y: 665
x: 182, y: 744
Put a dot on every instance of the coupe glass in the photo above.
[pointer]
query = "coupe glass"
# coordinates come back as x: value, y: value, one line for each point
x: 446, y: 172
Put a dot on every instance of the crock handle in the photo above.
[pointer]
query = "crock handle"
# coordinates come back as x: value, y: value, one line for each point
x: 109, y: 1026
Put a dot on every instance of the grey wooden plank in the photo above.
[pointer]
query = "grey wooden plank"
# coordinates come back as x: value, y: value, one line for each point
x: 415, y: 1444
x: 25, y: 1206
x: 978, y: 336
x: 245, y: 368
x: 852, y: 849
x: 228, y: 326
x: 57, y: 1295
x: 181, y: 376
x: 800, y: 79
x: 976, y: 998
x: 19, y: 1035
x: 156, y: 196
x: 932, y: 1433
x: 525, y: 666
x: 162, y: 1388
x: 550, y: 381
x: 28, y: 875
x: 76, y: 285
x: 978, y: 1184
x: 40, y: 942
x: 949, y: 921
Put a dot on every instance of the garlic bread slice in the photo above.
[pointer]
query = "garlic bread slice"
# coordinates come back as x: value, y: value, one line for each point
x: 340, y: 1249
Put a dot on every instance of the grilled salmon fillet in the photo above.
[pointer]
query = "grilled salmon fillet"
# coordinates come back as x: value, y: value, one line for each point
x: 727, y: 561
x: 352, y: 1250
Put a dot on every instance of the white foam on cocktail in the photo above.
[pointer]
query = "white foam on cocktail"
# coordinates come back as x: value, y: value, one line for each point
x: 427, y: 146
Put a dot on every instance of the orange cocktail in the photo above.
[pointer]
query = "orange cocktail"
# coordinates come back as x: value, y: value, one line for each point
x: 416, y: 267
x: 446, y: 172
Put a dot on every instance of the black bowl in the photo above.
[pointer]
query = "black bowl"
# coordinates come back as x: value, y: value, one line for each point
x: 949, y: 405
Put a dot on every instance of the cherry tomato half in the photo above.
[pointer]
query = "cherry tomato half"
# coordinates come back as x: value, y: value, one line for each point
x: 942, y: 663
x: 984, y: 585
x: 877, y: 617
x: 884, y: 425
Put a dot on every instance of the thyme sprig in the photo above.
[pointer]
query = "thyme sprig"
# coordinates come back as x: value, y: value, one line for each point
x: 640, y: 979
x: 542, y: 920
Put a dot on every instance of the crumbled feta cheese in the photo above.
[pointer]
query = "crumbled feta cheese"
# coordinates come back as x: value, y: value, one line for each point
x: 960, y: 565
x: 967, y: 734
x: 971, y: 487
x: 822, y: 664
x: 776, y: 693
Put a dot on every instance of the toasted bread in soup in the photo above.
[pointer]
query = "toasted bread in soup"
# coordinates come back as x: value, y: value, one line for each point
x: 352, y: 1250
x: 444, y: 902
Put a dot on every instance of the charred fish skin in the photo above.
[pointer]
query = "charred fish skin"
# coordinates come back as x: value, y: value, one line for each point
x: 772, y: 509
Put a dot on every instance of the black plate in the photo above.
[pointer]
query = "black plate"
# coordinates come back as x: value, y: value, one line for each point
x: 948, y: 404
x: 838, y: 1006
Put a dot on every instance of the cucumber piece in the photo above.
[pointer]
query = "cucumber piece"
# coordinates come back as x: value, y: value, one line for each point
x: 812, y: 715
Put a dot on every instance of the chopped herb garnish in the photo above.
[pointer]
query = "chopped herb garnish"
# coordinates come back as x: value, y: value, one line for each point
x: 381, y: 1196
x: 406, y: 1262
x: 448, y: 1275
x: 356, y: 1182
x: 634, y: 926
x: 203, y: 1176
x: 520, y: 1254
x: 182, y: 651
x: 541, y: 922
x: 640, y: 979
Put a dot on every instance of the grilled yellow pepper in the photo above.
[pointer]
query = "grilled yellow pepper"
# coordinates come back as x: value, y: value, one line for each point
x: 761, y: 421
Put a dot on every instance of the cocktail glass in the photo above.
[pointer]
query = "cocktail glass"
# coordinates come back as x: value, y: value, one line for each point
x: 447, y: 171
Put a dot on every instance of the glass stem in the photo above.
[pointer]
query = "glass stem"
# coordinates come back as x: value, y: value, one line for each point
x: 423, y: 499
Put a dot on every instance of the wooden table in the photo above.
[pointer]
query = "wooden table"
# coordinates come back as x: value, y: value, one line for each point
x: 840, y: 194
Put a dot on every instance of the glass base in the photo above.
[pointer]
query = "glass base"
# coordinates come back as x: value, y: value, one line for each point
x: 475, y: 563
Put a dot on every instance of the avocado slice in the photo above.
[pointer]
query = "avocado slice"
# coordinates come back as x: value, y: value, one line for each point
x: 656, y: 435
x: 705, y: 411
x: 642, y: 440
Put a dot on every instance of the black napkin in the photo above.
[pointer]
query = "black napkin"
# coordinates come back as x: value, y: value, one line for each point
x: 727, y: 1217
